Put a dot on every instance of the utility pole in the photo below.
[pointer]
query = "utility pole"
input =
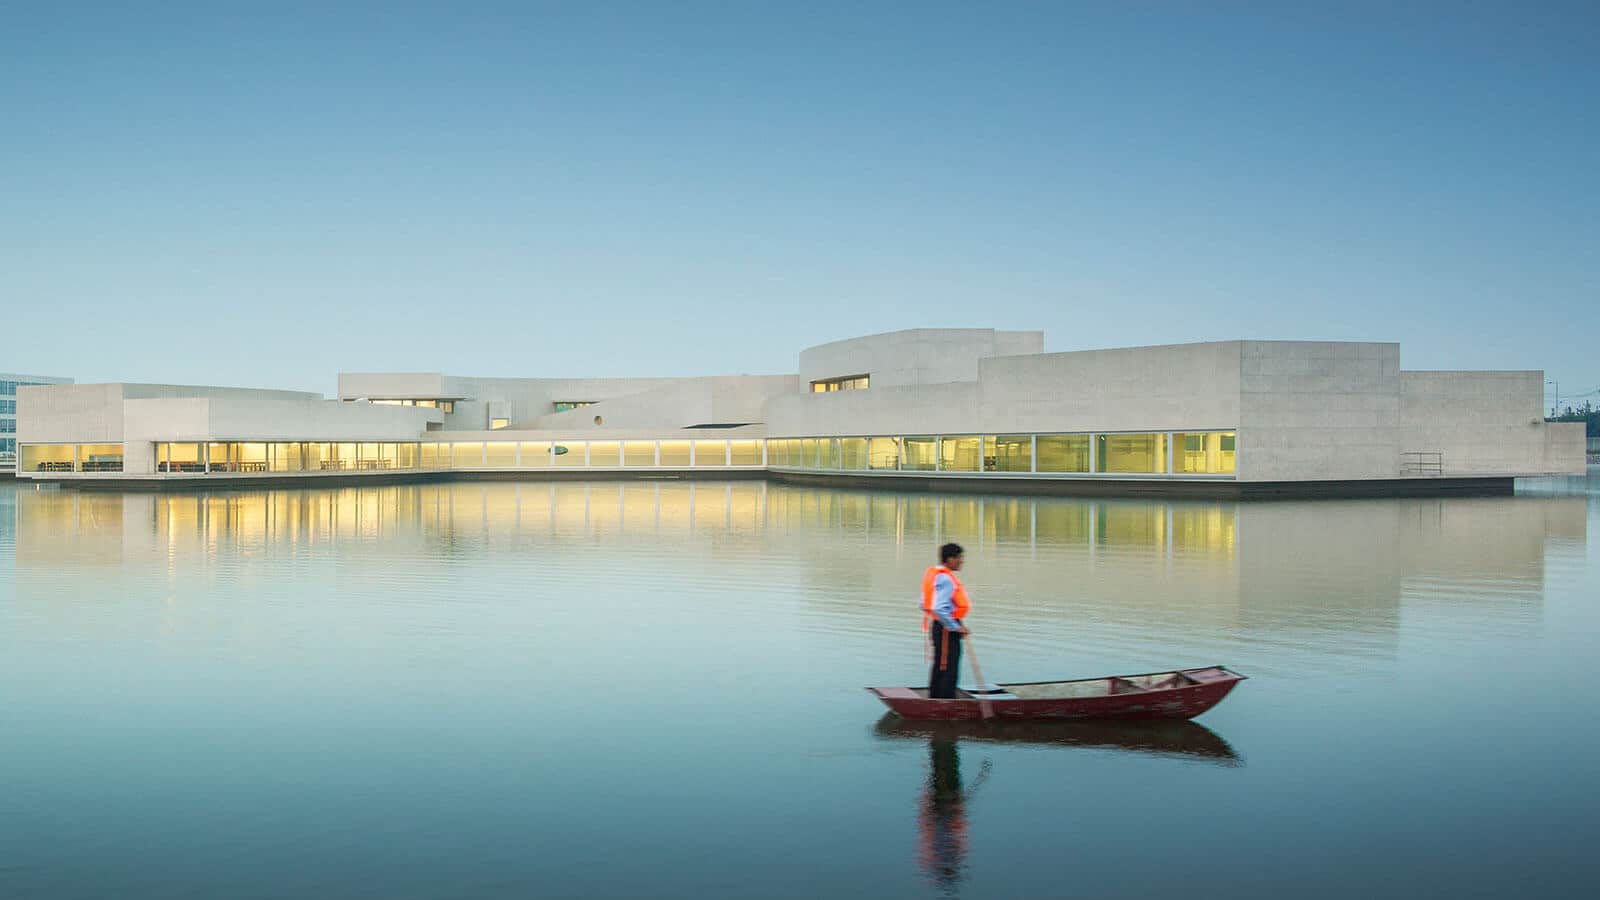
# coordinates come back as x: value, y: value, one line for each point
x: 1555, y: 401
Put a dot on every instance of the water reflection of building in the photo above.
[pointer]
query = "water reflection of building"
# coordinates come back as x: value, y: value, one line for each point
x: 1323, y: 565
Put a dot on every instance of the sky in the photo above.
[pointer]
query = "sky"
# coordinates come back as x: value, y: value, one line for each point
x: 267, y: 195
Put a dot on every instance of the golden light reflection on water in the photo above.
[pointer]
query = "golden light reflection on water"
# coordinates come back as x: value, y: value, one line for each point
x: 848, y: 556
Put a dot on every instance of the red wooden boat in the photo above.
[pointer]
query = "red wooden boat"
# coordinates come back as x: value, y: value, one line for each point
x: 1181, y: 694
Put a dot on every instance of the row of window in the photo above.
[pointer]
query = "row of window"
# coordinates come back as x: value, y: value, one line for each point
x: 1150, y: 453
x: 8, y: 406
x: 9, y: 388
x: 579, y: 454
x: 1182, y: 453
x: 70, y: 458
x: 445, y: 406
x: 8, y: 426
x: 852, y: 383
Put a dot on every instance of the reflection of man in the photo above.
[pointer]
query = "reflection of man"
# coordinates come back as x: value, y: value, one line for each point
x: 942, y: 820
x: 944, y: 603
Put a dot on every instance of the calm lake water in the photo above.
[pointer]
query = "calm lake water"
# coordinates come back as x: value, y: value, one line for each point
x: 654, y: 689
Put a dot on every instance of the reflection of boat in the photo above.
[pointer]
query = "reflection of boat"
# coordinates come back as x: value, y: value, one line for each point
x: 1181, y: 694
x: 1180, y: 739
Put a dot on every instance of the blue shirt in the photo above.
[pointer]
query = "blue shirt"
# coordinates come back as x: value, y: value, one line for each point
x: 944, y: 600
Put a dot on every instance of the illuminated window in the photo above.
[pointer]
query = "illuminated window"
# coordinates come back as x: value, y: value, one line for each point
x: 638, y: 453
x: 710, y: 453
x: 100, y: 458
x: 808, y: 453
x: 500, y: 454
x: 498, y: 423
x: 828, y: 453
x: 569, y: 455
x: 920, y: 454
x: 675, y: 454
x: 1008, y: 453
x: 883, y: 453
x: 745, y: 453
x: 605, y: 453
x: 853, y: 453
x: 466, y: 455
x: 848, y: 383
x: 1205, y: 453
x: 959, y: 454
x: 564, y: 405
x: 47, y: 458
x: 536, y: 453
x: 1141, y: 453
x: 1063, y: 453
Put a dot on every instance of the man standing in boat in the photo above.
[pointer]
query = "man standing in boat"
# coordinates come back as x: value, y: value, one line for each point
x: 944, y: 606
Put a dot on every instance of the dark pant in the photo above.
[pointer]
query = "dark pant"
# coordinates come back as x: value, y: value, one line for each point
x: 946, y: 660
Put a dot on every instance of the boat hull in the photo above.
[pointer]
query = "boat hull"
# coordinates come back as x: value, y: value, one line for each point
x: 1209, y: 686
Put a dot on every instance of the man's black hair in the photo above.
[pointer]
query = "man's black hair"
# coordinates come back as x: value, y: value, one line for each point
x: 949, y: 550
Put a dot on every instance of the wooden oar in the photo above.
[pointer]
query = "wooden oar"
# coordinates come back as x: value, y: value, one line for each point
x: 984, y: 706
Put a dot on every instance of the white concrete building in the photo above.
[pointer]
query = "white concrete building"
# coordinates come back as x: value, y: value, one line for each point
x: 9, y: 382
x: 960, y: 408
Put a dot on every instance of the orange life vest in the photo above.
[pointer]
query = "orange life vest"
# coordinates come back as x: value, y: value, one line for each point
x: 959, y: 598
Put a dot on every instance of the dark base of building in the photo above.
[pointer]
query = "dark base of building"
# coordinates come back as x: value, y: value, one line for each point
x: 1059, y: 487
x: 1175, y: 489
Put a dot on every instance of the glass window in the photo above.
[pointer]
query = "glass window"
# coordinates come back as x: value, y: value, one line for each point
x: 638, y: 453
x: 178, y: 458
x: 535, y: 454
x: 431, y: 454
x: 466, y: 455
x: 499, y: 422
x: 828, y: 453
x: 249, y: 457
x: 569, y: 454
x: 745, y: 453
x: 1143, y: 453
x: 100, y: 458
x: 675, y: 454
x: 47, y: 458
x: 777, y: 453
x: 605, y: 453
x: 960, y: 454
x: 564, y: 405
x: 219, y: 456
x: 808, y: 453
x: 883, y: 453
x: 406, y: 456
x: 500, y: 454
x: 920, y: 454
x: 1204, y: 453
x: 851, y: 383
x: 852, y: 453
x: 282, y: 457
x: 710, y: 453
x: 1063, y: 453
x: 1008, y: 453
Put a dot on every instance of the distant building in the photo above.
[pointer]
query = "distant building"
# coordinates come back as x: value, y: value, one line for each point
x: 8, y: 413
x: 963, y: 409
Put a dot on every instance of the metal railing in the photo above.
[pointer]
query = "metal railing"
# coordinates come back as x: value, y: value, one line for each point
x: 1422, y: 463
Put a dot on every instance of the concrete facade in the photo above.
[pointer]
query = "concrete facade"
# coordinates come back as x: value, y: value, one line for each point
x: 965, y: 408
x: 10, y: 382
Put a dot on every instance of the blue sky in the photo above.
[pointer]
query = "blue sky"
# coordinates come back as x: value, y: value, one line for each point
x: 269, y: 196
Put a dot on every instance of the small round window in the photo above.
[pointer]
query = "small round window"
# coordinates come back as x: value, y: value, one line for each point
x: 599, y: 420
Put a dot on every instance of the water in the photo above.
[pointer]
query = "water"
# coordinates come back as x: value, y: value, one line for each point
x: 654, y: 689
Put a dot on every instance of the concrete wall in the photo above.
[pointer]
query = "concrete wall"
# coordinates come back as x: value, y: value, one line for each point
x: 916, y: 356
x: 906, y: 409
x: 1165, y: 388
x: 69, y: 414
x: 1318, y: 411
x: 690, y: 401
x: 1486, y: 423
x: 391, y: 385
